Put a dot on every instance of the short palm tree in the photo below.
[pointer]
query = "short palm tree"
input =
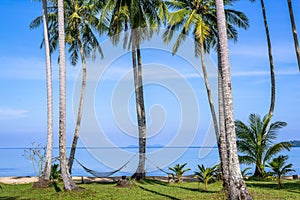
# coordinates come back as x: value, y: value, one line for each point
x: 280, y: 168
x: 179, y: 171
x: 255, y: 141
x: 206, y: 175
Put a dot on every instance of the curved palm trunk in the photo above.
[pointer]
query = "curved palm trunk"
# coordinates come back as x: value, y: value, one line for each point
x: 140, y: 108
x: 237, y: 186
x: 47, y: 169
x: 80, y: 107
x: 68, y: 182
x: 294, y: 31
x: 272, y: 74
x: 208, y: 91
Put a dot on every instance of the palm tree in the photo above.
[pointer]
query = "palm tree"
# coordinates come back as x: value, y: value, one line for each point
x: 279, y: 167
x: 179, y: 171
x: 68, y: 182
x: 272, y: 74
x: 255, y: 141
x: 237, y: 187
x: 81, y: 22
x: 206, y: 175
x: 294, y: 31
x: 200, y: 16
x: 45, y: 178
x: 137, y: 17
x: 47, y: 168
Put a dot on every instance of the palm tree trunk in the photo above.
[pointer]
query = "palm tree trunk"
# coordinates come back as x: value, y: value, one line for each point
x: 68, y: 182
x: 47, y: 169
x: 272, y: 74
x: 237, y: 186
x: 221, y: 140
x: 80, y: 107
x: 208, y: 91
x: 140, y: 108
x: 279, y: 182
x: 294, y: 30
x: 222, y: 144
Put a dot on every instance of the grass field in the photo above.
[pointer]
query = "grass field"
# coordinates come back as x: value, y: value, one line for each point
x: 151, y: 189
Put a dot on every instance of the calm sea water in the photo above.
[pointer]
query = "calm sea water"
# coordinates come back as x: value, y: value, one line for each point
x: 106, y: 160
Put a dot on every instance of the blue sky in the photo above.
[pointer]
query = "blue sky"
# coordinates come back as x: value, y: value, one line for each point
x: 22, y: 80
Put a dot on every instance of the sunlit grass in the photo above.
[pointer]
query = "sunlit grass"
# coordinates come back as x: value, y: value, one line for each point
x: 152, y: 189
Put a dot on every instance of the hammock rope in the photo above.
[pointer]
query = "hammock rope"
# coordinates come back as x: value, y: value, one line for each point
x: 168, y: 173
x: 104, y: 174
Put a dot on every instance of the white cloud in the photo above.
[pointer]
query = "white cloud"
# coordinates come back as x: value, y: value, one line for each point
x: 11, y: 113
x: 265, y: 73
x: 31, y: 68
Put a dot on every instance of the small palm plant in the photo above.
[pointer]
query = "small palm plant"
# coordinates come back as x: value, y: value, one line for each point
x: 206, y: 175
x: 280, y: 168
x: 245, y: 172
x: 179, y: 171
x: 55, y: 176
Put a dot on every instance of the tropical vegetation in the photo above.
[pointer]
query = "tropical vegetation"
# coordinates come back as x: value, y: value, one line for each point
x: 77, y: 25
x: 82, y: 42
x: 256, y: 141
x: 138, y: 19
x: 206, y: 175
x: 280, y: 168
x: 178, y: 171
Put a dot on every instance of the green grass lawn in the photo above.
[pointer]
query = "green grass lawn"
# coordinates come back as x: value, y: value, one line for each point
x: 151, y: 189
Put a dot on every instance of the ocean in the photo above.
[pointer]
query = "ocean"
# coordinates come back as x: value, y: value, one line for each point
x: 105, y: 160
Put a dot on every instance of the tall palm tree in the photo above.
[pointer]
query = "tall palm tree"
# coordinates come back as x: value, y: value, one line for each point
x: 255, y: 141
x: 200, y: 17
x: 81, y: 22
x: 138, y: 17
x: 45, y: 178
x: 237, y: 187
x: 68, y: 182
x: 48, y: 164
x: 280, y: 168
x: 294, y: 31
x: 272, y: 73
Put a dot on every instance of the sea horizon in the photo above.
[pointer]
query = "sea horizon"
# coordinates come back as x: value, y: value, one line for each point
x: 14, y: 164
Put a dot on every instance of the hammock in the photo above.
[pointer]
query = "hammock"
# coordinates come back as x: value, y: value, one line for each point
x: 103, y: 174
x: 159, y: 167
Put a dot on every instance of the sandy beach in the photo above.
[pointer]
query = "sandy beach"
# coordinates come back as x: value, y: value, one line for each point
x: 82, y: 179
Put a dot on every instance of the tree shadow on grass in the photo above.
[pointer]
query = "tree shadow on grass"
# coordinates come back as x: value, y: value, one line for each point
x: 9, y: 198
x: 195, y: 189
x: 158, y: 193
x: 293, y: 187
x: 155, y: 182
